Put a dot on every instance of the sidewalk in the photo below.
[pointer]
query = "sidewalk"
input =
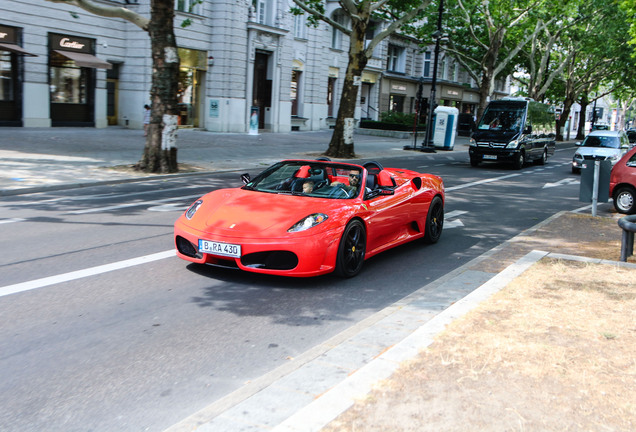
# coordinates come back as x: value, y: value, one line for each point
x: 34, y: 159
x: 309, y: 392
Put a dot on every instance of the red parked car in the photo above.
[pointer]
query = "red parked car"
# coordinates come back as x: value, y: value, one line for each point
x: 311, y: 217
x: 623, y: 183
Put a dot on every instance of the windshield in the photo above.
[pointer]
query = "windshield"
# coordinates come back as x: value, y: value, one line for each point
x: 310, y: 179
x: 601, y: 141
x: 502, y: 117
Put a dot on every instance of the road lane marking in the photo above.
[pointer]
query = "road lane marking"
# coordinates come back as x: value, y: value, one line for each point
x: 564, y: 182
x: 455, y: 213
x: 133, y: 204
x: 475, y: 183
x: 79, y: 274
x: 6, y: 221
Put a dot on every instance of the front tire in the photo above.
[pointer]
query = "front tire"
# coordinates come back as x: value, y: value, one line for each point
x: 434, y: 221
x: 520, y: 160
x: 351, y: 250
x: 624, y: 200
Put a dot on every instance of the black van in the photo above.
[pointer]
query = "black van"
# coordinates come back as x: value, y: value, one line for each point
x: 516, y: 131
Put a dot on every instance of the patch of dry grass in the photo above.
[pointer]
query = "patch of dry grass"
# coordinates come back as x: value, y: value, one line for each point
x: 554, y: 351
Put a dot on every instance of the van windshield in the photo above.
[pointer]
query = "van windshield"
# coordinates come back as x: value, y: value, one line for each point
x: 601, y: 141
x: 502, y: 117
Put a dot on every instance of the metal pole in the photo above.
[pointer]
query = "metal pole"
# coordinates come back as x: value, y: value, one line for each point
x: 597, y: 169
x: 426, y: 145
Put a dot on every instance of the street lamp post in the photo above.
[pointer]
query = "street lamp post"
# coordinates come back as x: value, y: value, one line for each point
x: 427, y: 145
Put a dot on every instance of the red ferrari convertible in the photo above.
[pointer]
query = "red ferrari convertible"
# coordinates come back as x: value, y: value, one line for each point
x: 311, y: 217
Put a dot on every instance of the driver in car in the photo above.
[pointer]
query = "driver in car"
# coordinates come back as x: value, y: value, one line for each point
x: 354, y: 183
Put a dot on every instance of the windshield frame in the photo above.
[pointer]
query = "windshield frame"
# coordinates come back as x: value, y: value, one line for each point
x: 328, y: 179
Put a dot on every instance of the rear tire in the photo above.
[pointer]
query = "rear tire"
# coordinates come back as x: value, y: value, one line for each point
x: 624, y: 200
x: 351, y: 250
x: 434, y: 221
x: 544, y: 157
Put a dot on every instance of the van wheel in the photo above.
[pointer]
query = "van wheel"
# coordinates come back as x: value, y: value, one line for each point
x: 474, y: 162
x: 544, y: 157
x: 520, y: 161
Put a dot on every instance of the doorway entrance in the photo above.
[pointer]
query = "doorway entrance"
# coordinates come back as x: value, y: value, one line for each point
x: 262, y: 86
x: 112, y: 94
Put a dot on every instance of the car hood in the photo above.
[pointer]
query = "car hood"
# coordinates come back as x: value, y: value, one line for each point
x: 597, y: 151
x: 492, y: 135
x: 239, y: 212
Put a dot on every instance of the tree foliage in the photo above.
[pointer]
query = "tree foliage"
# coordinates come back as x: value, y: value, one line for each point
x: 485, y: 36
x: 361, y: 15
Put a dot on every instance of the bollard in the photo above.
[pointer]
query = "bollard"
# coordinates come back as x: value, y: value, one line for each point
x: 628, y: 225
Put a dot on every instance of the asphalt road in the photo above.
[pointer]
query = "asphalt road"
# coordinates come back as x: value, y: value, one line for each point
x: 102, y: 328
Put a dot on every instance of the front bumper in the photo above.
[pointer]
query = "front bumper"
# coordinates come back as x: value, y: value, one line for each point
x: 295, y: 255
x: 486, y: 154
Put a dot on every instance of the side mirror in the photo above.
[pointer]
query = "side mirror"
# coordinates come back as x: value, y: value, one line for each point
x: 578, y: 143
x: 246, y: 178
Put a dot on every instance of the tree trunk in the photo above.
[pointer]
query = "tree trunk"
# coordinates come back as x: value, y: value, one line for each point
x: 580, y: 130
x: 484, y: 94
x: 341, y: 145
x: 567, y: 108
x: 160, y: 152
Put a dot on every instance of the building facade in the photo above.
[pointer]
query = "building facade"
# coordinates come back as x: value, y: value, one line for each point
x: 240, y: 61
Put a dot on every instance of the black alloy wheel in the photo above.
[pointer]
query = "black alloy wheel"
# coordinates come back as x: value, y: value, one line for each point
x: 351, y: 250
x: 434, y: 221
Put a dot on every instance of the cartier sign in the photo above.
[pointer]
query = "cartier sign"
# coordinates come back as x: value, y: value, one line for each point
x: 71, y: 43
x: 67, y: 43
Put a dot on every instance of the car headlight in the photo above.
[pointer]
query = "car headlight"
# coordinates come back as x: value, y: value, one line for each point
x: 512, y: 144
x: 193, y: 209
x: 472, y: 142
x: 308, y: 222
x: 577, y: 156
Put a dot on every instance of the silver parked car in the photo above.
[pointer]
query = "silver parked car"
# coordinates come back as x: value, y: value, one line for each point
x: 600, y: 144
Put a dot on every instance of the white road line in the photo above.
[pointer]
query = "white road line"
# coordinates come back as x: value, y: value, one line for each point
x: 490, y: 180
x: 6, y: 221
x: 133, y: 204
x: 455, y: 213
x: 79, y: 274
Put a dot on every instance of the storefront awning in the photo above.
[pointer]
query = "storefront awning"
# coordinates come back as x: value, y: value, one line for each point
x: 15, y: 48
x: 85, y: 60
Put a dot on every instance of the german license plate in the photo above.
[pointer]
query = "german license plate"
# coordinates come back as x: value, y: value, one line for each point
x: 491, y: 157
x: 218, y: 248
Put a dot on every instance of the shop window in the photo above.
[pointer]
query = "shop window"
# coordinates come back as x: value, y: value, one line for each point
x: 331, y: 86
x: 6, y: 77
x: 191, y: 6
x: 396, y: 59
x: 295, y: 84
x: 69, y: 83
x: 396, y: 103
